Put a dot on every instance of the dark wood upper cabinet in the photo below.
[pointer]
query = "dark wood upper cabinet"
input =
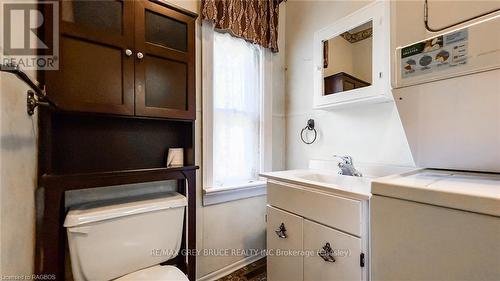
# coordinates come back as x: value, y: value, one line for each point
x: 165, y: 75
x: 125, y: 58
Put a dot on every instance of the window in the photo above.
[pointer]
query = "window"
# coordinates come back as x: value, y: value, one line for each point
x: 236, y: 105
x: 234, y: 112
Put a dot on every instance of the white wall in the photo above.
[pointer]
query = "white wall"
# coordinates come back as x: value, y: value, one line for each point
x: 371, y: 133
x: 18, y: 162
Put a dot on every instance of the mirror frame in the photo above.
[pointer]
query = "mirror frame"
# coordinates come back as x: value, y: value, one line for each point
x: 379, y: 91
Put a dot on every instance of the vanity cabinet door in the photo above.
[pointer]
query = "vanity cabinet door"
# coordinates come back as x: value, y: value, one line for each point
x: 164, y: 69
x: 342, y: 262
x: 284, y: 241
x: 96, y: 66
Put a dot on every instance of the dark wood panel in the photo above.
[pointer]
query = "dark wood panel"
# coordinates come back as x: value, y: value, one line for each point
x: 104, y: 16
x: 94, y: 73
x: 116, y: 40
x: 341, y: 82
x: 90, y: 180
x: 158, y: 54
x: 84, y: 144
x: 166, y: 83
x: 85, y: 83
x: 165, y: 31
x: 86, y: 18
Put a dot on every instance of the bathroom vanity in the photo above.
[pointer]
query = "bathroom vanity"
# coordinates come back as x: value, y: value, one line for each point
x: 317, y: 226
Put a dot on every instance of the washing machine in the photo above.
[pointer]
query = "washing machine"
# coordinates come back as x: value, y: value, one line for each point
x: 436, y: 225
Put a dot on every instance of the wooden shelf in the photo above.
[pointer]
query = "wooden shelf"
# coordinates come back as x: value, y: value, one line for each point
x: 89, y: 180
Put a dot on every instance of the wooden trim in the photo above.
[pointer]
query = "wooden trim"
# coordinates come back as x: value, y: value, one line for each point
x: 347, y: 75
x: 165, y: 52
x: 89, y: 180
x: 225, y: 271
x: 175, y: 7
x: 86, y: 34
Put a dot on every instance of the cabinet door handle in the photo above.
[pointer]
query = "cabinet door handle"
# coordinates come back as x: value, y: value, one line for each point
x: 140, y: 55
x: 281, y: 232
x: 327, y: 253
x: 128, y: 52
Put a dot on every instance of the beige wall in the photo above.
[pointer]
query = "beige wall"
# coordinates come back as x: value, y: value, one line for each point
x: 339, y: 57
x: 369, y: 133
x: 362, y: 59
x: 18, y: 162
x: 238, y: 224
x: 351, y: 58
x: 18, y: 159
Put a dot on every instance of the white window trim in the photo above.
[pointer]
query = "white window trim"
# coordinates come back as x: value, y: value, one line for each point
x: 215, y: 195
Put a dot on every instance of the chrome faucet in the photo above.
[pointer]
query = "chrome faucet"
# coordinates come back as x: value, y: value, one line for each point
x: 347, y: 166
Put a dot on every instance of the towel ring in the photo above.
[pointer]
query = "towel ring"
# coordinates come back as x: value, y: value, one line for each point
x: 308, y: 127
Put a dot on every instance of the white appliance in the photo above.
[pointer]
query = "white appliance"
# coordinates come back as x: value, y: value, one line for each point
x: 446, y: 81
x: 445, y: 77
x: 435, y: 225
x: 126, y: 239
x: 445, y: 39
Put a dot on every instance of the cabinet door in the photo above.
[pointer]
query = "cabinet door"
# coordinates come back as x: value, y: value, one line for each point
x: 96, y: 73
x: 284, y: 238
x: 346, y: 250
x: 164, y: 70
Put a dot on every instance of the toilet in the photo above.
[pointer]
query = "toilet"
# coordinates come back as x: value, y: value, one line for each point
x: 126, y: 239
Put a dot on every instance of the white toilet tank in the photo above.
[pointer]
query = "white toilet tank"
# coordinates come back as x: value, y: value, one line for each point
x: 110, y: 239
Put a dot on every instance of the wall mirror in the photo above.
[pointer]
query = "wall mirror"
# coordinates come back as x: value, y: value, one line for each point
x: 352, y: 59
x: 347, y: 60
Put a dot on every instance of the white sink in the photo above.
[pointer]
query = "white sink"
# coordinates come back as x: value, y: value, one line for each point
x: 331, y: 178
x: 331, y: 181
x: 356, y: 187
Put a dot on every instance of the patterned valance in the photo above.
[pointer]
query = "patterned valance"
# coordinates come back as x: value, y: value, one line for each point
x: 252, y: 20
x: 357, y: 36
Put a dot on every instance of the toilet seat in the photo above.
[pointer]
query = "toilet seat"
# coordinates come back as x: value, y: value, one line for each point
x: 157, y: 272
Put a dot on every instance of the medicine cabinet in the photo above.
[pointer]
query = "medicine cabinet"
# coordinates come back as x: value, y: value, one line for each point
x: 352, y: 59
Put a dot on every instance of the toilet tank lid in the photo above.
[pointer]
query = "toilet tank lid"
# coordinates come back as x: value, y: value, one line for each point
x: 109, y: 209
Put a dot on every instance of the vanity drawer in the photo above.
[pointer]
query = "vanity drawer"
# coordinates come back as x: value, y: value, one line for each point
x: 346, y: 254
x: 282, y: 267
x: 334, y: 211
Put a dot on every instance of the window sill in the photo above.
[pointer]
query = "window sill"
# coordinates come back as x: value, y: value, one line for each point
x: 218, y: 195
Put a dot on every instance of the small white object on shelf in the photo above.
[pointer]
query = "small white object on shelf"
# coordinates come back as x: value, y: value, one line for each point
x: 175, y: 157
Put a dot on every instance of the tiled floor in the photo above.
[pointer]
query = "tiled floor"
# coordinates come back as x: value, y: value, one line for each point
x: 255, y: 271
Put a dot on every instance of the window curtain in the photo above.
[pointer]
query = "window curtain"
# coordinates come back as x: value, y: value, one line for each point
x: 236, y: 110
x: 252, y: 20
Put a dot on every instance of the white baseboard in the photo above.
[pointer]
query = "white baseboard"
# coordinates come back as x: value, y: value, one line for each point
x: 230, y: 268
